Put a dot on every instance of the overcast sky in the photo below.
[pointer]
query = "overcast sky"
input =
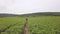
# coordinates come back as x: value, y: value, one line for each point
x: 29, y: 6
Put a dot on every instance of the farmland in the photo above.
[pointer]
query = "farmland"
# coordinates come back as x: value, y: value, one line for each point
x: 37, y: 25
x: 44, y: 25
x: 12, y: 25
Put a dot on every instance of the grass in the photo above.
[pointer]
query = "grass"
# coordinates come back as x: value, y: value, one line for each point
x: 37, y: 25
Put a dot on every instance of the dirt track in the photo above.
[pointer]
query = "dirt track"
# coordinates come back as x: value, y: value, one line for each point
x: 26, y: 27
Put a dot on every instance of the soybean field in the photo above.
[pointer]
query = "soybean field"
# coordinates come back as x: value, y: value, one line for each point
x: 36, y: 25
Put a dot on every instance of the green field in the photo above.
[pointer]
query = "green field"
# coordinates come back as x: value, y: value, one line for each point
x: 37, y: 25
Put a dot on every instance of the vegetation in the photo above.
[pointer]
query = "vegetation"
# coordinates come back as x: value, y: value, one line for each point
x: 11, y: 25
x: 43, y: 14
x: 44, y: 25
x: 32, y: 14
x: 37, y: 25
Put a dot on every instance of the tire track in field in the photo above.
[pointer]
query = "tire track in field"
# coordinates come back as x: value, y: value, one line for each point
x: 7, y: 28
x: 26, y: 27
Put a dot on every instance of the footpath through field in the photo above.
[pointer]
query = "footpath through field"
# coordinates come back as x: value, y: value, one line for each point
x: 26, y: 26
